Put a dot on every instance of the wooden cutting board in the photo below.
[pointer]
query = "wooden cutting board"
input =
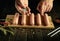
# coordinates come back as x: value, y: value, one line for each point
x: 10, y: 18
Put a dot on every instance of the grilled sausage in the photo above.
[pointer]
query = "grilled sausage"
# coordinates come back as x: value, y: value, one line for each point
x: 23, y: 20
x: 16, y: 18
x: 32, y: 19
x: 38, y: 19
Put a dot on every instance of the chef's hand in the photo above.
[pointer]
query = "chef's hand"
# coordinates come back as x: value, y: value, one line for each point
x: 23, y: 10
x: 45, y: 6
x: 26, y: 11
x: 22, y: 6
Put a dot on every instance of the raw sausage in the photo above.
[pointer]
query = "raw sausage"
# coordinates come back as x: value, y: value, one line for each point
x: 23, y: 20
x: 38, y: 19
x: 46, y: 20
x: 32, y: 19
x: 16, y: 18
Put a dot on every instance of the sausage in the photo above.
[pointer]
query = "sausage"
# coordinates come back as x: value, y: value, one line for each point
x: 16, y: 18
x: 23, y: 20
x: 38, y: 19
x: 46, y: 20
x: 32, y: 19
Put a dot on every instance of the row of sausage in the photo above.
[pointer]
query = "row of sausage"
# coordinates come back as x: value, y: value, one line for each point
x: 31, y: 19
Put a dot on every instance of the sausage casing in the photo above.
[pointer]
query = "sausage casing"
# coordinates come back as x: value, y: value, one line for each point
x: 32, y: 19
x: 16, y: 18
x: 38, y: 19
x: 23, y: 20
x: 46, y: 20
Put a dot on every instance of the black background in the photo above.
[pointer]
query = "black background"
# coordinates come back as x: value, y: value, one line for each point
x: 8, y: 7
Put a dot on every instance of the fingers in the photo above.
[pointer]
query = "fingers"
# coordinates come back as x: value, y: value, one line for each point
x: 26, y: 11
x: 44, y: 7
x: 51, y: 7
x: 41, y: 8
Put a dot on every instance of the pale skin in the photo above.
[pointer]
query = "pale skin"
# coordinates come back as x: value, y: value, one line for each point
x: 43, y: 6
x: 24, y: 4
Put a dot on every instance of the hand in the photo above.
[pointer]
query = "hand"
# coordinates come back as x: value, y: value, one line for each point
x: 25, y: 11
x: 22, y: 6
x: 45, y: 6
x: 28, y: 10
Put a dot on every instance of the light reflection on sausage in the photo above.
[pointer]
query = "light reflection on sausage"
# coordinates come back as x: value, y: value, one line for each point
x: 46, y: 20
x: 38, y: 19
x: 16, y: 18
x: 32, y: 22
x: 23, y: 20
